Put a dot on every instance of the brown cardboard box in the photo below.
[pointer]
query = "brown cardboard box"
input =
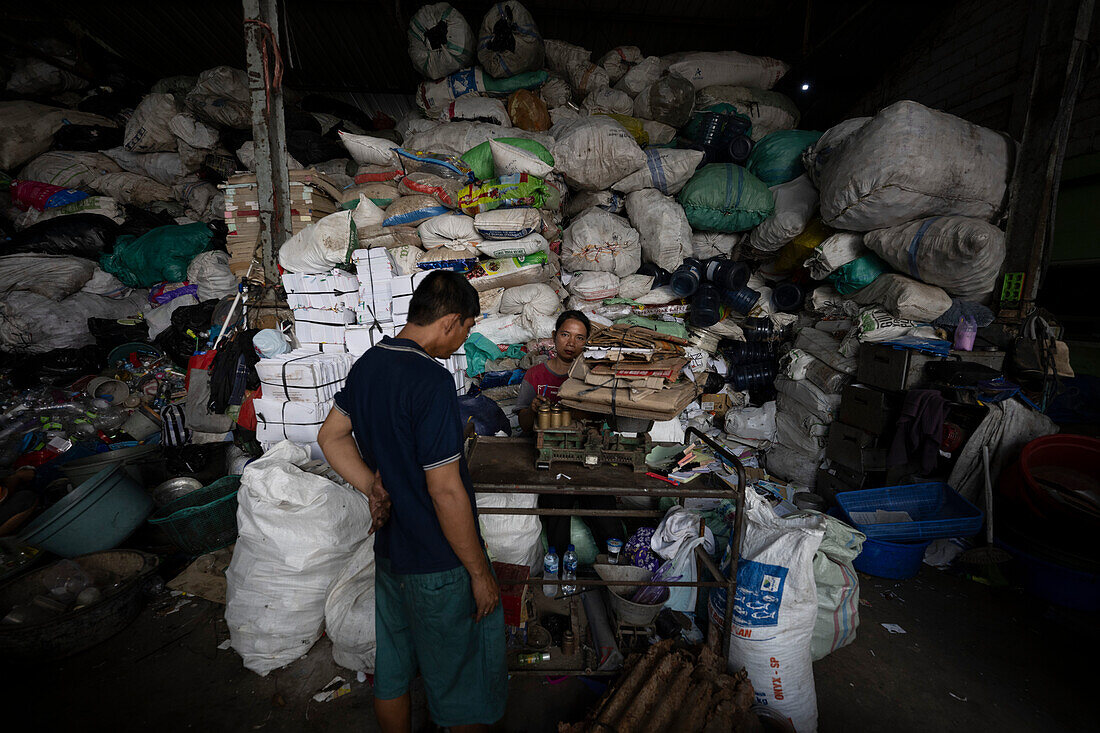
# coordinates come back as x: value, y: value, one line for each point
x: 717, y: 404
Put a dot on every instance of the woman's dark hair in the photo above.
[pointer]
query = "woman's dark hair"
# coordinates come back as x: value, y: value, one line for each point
x: 574, y: 316
x: 442, y: 293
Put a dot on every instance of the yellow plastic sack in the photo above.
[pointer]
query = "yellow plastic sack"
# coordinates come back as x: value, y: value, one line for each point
x: 633, y: 125
x: 795, y: 252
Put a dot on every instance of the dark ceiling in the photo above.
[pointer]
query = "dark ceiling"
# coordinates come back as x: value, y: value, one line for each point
x: 841, y: 47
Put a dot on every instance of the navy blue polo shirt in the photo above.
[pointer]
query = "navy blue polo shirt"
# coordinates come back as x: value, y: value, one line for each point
x: 404, y: 414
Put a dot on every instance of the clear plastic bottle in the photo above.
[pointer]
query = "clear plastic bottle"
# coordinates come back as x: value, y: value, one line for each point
x: 550, y: 572
x: 569, y: 570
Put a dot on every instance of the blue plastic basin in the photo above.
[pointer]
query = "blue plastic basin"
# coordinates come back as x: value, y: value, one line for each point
x: 97, y: 515
x: 897, y: 560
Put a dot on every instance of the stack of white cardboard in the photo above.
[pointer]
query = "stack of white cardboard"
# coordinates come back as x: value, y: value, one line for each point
x: 384, y: 296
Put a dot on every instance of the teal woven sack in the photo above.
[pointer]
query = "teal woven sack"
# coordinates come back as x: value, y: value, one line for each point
x: 722, y: 197
x: 777, y: 158
x: 858, y: 274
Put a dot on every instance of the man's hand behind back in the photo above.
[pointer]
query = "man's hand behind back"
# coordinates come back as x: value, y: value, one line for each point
x: 486, y: 594
x: 380, y: 504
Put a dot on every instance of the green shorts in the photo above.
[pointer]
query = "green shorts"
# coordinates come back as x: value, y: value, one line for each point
x: 425, y: 622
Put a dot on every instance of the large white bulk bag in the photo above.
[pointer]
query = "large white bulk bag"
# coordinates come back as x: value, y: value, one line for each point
x: 595, y: 152
x: 440, y: 40
x: 665, y: 169
x: 147, y: 130
x: 775, y: 610
x: 320, y: 246
x: 909, y: 162
x: 601, y: 242
x: 704, y: 69
x: 795, y: 204
x: 509, y: 42
x: 837, y: 250
x: 662, y: 227
x: 498, y: 248
x: 620, y: 60
x: 561, y: 55
x: 367, y: 150
x: 537, y: 298
x: 768, y: 110
x: 961, y: 255
x: 508, y: 223
x: 458, y: 137
x: 349, y: 612
x: 296, y: 531
x: 705, y: 245
x: 511, y: 538
x: 454, y: 227
x: 475, y: 108
x: 641, y: 75
x: 594, y: 285
x: 827, y: 147
x: 606, y: 99
x: 904, y: 297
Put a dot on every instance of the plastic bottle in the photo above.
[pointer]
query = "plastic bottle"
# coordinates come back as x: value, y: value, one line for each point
x: 569, y: 570
x: 550, y: 572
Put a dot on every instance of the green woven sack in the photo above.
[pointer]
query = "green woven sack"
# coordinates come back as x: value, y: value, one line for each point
x: 858, y: 274
x: 778, y: 157
x: 480, y: 157
x: 722, y: 197
x: 159, y: 255
x: 509, y: 84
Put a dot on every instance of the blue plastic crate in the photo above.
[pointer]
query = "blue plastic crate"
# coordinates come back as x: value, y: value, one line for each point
x: 937, y: 511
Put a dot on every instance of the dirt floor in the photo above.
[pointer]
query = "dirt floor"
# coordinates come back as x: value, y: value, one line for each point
x: 971, y: 658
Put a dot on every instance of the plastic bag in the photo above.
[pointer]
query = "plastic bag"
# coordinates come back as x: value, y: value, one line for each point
x: 909, y: 162
x: 161, y: 255
x: 410, y: 210
x: 79, y: 235
x: 859, y: 273
x: 767, y: 110
x: 508, y: 223
x: 521, y: 247
x: 837, y: 588
x: 519, y: 190
x: 510, y: 159
x: 527, y: 111
x: 905, y: 297
x: 296, y: 532
x: 210, y: 271
x: 606, y: 99
x: 668, y: 100
x: 484, y: 413
x: 752, y: 425
x: 451, y: 228
x: 54, y: 276
x: 838, y: 250
x: 704, y: 69
x: 508, y: 272
x: 366, y: 150
x: 475, y: 108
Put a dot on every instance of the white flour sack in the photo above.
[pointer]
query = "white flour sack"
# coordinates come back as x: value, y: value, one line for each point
x: 775, y: 610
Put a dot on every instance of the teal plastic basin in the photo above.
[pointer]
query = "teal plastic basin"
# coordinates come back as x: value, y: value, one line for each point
x: 97, y: 515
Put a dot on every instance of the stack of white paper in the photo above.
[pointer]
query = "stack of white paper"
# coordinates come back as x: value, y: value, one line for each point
x: 304, y: 375
x: 298, y: 422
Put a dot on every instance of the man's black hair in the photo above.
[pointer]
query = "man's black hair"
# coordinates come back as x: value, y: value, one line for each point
x: 442, y: 293
x: 574, y: 316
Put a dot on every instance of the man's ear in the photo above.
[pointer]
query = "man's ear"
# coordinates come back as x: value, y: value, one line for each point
x: 451, y: 321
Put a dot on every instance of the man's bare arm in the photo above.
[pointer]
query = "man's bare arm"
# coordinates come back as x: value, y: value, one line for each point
x: 456, y: 517
x: 342, y: 453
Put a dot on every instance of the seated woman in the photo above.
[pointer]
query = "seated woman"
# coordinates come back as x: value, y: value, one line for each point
x: 540, y: 386
x: 542, y: 381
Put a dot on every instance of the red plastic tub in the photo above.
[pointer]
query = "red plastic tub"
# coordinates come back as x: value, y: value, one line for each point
x: 1069, y: 461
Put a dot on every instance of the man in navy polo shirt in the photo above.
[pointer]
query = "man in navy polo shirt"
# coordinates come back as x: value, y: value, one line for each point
x: 437, y: 603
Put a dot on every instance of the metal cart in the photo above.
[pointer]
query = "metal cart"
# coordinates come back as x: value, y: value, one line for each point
x: 507, y: 465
